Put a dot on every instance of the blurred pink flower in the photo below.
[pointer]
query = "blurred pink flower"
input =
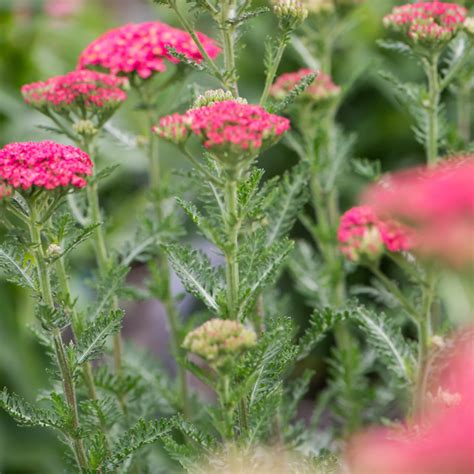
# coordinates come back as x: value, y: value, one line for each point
x: 362, y: 234
x: 62, y: 8
x: 437, y: 203
x: 142, y: 48
x: 427, y: 21
x: 321, y: 89
x: 443, y: 442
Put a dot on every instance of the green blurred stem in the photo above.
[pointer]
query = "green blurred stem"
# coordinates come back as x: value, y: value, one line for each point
x: 227, y: 409
x: 59, y: 349
x: 228, y: 40
x: 434, y: 94
x: 272, y: 70
x: 146, y: 96
x: 464, y: 106
x: 101, y: 252
x: 63, y: 281
x: 232, y: 248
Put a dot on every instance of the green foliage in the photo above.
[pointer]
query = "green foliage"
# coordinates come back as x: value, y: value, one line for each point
x: 17, y: 267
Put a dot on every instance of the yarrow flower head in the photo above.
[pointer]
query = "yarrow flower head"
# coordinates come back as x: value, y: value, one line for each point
x: 229, y: 129
x: 428, y: 23
x: 45, y: 165
x: 322, y: 89
x: 436, y: 203
x: 291, y: 13
x: 142, y: 49
x: 363, y: 235
x: 92, y: 92
x: 210, y: 97
x: 220, y: 341
x: 469, y: 25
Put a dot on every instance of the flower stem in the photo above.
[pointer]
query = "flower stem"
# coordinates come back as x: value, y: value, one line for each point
x: 228, y: 33
x: 464, y: 100
x: 59, y: 349
x: 232, y: 250
x: 272, y: 70
x: 434, y: 92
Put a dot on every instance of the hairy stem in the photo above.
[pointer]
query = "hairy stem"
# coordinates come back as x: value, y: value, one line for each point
x: 272, y: 70
x: 434, y: 93
x: 232, y: 250
x: 228, y: 40
x: 59, y: 349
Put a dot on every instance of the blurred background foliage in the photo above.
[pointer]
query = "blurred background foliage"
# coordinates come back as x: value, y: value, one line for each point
x: 35, y: 45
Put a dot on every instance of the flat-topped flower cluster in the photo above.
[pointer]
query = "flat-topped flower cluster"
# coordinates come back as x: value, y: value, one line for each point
x: 321, y: 89
x: 46, y: 165
x: 362, y: 234
x: 142, y: 48
x: 76, y: 89
x: 427, y: 21
x: 227, y: 127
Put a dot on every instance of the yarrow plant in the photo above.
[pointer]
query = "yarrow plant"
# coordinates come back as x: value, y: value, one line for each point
x: 412, y: 231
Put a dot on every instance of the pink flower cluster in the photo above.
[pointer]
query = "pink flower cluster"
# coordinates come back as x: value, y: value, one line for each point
x: 321, y: 89
x: 443, y: 443
x: 427, y: 21
x: 76, y: 89
x: 142, y: 48
x: 362, y: 234
x: 436, y: 203
x: 226, y: 128
x: 47, y: 165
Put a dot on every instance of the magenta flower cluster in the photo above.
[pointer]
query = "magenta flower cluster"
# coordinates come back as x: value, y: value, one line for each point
x: 437, y: 203
x: 228, y: 127
x: 77, y: 88
x: 362, y: 234
x: 142, y: 48
x: 46, y: 165
x: 430, y: 21
x: 322, y: 88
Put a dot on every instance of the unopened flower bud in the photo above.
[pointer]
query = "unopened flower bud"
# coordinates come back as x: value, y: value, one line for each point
x: 54, y: 250
x: 220, y: 341
x: 438, y: 342
x: 173, y: 128
x: 216, y: 95
x: 291, y: 13
x: 85, y: 128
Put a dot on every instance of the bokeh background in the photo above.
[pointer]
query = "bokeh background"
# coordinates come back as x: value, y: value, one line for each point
x: 39, y: 39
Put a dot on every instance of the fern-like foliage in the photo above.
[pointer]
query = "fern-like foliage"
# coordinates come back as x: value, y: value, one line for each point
x: 384, y: 336
x: 196, y: 273
x: 93, y: 338
x: 16, y: 267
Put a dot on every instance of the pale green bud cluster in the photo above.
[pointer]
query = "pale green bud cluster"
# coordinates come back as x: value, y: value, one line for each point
x: 219, y: 341
x: 469, y: 25
x: 85, y: 128
x: 213, y: 96
x: 291, y: 13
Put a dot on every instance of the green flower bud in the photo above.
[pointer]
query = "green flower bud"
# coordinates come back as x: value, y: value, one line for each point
x: 291, y: 13
x: 85, y: 128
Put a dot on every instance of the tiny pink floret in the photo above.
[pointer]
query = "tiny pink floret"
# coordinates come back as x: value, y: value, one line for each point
x: 48, y: 165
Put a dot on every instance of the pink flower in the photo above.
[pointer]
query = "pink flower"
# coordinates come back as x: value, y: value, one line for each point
x: 173, y: 128
x: 230, y: 128
x: 62, y: 8
x: 321, y: 89
x: 47, y: 165
x: 77, y: 89
x: 436, y: 203
x: 427, y: 21
x: 443, y: 443
x: 142, y: 48
x: 362, y: 234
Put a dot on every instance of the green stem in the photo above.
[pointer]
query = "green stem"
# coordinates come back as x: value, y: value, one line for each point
x: 271, y: 73
x: 60, y: 351
x: 101, y: 253
x: 434, y: 93
x: 232, y: 250
x: 63, y: 281
x: 464, y: 99
x: 228, y: 32
x: 424, y: 343
x: 227, y: 411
